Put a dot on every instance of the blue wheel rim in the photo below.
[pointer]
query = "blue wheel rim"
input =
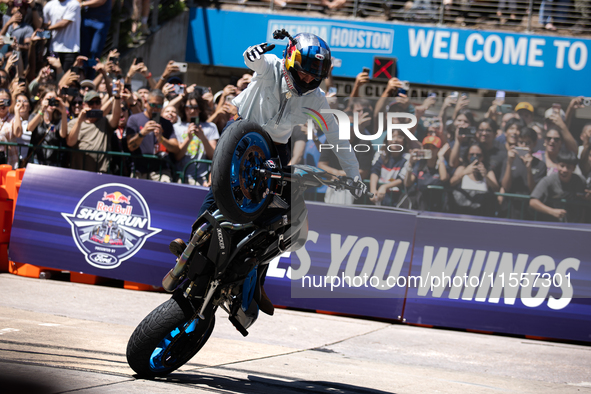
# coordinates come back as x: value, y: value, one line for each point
x: 157, y: 361
x: 244, y: 171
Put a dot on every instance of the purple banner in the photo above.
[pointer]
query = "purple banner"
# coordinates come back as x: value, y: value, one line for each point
x: 100, y: 224
x: 501, y: 276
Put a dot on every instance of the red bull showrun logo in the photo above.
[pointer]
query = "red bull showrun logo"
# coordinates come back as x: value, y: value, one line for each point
x: 110, y: 224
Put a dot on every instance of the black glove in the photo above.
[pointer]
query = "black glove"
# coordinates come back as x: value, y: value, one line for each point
x: 254, y: 52
x: 360, y: 187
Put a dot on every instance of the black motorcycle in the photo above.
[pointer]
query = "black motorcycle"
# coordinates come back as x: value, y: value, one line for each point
x: 261, y: 214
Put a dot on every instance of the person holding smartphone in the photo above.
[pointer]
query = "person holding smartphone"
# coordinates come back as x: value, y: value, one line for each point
x: 521, y: 171
x: 148, y: 133
x: 425, y: 170
x: 48, y: 125
x: 91, y: 130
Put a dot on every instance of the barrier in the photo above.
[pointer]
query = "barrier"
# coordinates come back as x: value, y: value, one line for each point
x: 69, y: 213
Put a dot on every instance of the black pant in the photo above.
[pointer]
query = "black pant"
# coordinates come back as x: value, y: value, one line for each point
x: 67, y: 59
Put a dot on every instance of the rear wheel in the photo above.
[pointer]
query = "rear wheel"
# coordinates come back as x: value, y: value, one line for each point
x: 240, y: 191
x: 168, y: 337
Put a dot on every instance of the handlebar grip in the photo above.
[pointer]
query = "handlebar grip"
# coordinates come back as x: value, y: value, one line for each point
x: 269, y: 48
x: 369, y: 194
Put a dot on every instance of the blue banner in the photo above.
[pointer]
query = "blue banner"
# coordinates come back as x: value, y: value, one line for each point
x: 427, y: 55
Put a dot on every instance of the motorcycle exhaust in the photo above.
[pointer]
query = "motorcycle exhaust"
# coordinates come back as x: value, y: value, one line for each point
x: 172, y: 278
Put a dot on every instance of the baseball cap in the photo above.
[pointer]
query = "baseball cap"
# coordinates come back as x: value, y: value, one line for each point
x: 175, y: 81
x: 92, y: 94
x: 87, y: 83
x: 433, y: 140
x: 524, y: 105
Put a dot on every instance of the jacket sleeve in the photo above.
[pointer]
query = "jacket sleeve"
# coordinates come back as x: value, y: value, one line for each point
x: 261, y: 65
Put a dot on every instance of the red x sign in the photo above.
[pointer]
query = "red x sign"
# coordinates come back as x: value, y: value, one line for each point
x: 383, y: 68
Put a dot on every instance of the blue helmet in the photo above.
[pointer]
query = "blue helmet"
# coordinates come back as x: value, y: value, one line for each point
x: 310, y: 54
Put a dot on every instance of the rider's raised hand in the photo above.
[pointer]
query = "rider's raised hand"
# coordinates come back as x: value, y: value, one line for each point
x: 255, y: 52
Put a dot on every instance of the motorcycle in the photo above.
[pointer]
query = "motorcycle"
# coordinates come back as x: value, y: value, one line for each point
x: 260, y: 215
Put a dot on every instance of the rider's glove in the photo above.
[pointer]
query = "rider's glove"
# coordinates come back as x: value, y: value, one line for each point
x: 255, y: 52
x: 360, y: 187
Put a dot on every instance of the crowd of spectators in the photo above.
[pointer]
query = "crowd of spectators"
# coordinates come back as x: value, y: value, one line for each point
x: 504, y: 162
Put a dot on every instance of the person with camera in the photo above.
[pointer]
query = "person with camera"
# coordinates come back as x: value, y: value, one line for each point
x: 150, y: 134
x: 426, y: 167
x: 389, y: 171
x: 474, y: 184
x: 199, y: 140
x: 49, y: 125
x: 463, y: 135
x: 10, y: 129
x: 91, y: 130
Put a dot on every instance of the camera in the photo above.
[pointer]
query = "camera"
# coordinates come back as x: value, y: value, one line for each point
x: 587, y: 101
x: 521, y: 152
x: 365, y: 70
x: 467, y: 131
x: 5, y: 102
x: 179, y: 89
x: 53, y: 102
x: 94, y: 113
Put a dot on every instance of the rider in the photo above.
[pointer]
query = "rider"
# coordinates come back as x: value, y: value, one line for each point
x: 276, y: 98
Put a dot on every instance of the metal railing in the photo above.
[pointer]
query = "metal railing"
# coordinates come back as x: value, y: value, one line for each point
x: 515, y: 15
x: 118, y: 163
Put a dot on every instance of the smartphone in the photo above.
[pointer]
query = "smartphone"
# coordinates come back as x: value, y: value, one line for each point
x: 432, y: 95
x: 405, y: 85
x: 139, y: 60
x: 587, y: 101
x: 53, y: 102
x: 521, y: 151
x: 127, y: 86
x: 76, y: 70
x: 468, y: 131
x: 114, y: 59
x: 94, y: 113
x: 402, y: 91
x: 505, y: 108
x: 500, y: 94
x: 464, y: 95
x: 366, y: 70
x: 423, y: 154
x: 22, y: 80
x: 17, y: 55
x: 179, y: 89
x: 556, y: 108
x: 8, y: 40
x: 5, y: 102
x: 453, y: 95
x: 195, y: 120
x: 44, y: 34
x: 155, y: 117
x: 182, y: 66
x: 332, y: 90
x: 69, y: 91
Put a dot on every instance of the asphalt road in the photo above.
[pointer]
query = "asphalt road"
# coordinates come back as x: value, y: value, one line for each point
x: 62, y: 337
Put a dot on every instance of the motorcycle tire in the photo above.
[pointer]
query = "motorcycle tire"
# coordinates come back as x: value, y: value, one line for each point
x: 239, y: 190
x: 154, y: 349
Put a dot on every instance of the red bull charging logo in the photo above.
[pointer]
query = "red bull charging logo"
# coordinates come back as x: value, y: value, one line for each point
x: 110, y: 224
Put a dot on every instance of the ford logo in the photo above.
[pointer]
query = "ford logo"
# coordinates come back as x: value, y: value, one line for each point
x: 103, y: 259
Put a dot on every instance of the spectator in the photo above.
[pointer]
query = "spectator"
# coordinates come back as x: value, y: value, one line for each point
x: 464, y: 134
x: 584, y: 149
x: 559, y: 185
x: 10, y: 129
x: 93, y: 133
x: 121, y: 165
x: 149, y: 134
x: 62, y: 18
x: 16, y: 27
x: 555, y: 118
x: 422, y: 173
x: 494, y: 152
x: 298, y: 142
x: 49, y: 125
x: 25, y: 138
x: 525, y: 111
x: 75, y: 108
x: 141, y: 11
x: 521, y: 171
x: 553, y: 146
x: 504, y: 119
x: 3, y: 79
x: 389, y: 171
x: 96, y: 20
x: 473, y: 185
x: 199, y: 139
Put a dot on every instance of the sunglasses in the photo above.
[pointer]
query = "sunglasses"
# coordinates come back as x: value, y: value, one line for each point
x: 94, y: 102
x: 475, y: 154
x: 549, y: 139
x: 154, y: 105
x: 192, y: 107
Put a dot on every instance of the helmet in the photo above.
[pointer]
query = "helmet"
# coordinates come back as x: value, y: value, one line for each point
x: 310, y: 54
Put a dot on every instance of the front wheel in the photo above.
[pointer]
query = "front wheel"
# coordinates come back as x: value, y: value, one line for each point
x: 240, y: 191
x: 168, y: 337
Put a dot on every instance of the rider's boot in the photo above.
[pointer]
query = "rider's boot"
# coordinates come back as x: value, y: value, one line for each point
x: 177, y: 247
